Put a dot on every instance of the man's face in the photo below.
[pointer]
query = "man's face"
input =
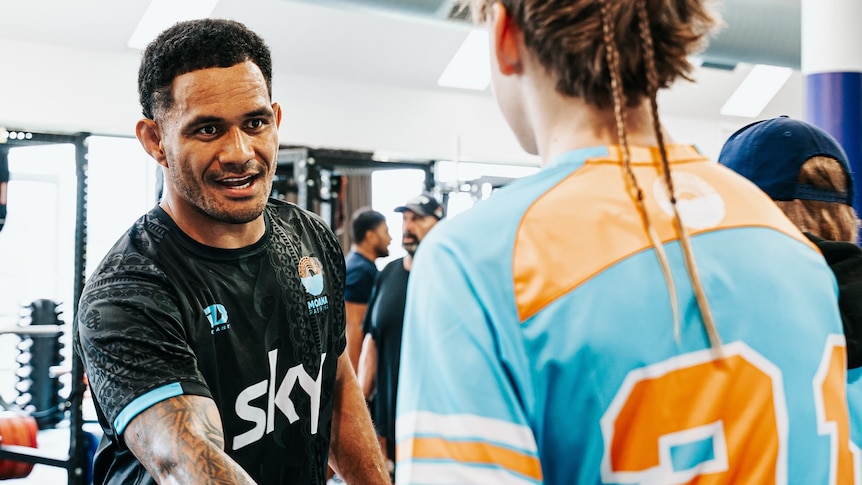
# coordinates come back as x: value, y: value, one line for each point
x: 220, y: 140
x: 382, y: 238
x: 415, y: 227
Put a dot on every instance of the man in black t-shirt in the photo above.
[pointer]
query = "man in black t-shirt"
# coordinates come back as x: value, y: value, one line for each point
x: 381, y: 349
x: 212, y: 333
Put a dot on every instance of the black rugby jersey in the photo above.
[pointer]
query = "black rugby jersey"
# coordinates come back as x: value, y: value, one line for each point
x: 258, y: 329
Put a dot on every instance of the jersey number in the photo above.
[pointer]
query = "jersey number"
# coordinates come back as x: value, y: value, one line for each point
x: 736, y: 430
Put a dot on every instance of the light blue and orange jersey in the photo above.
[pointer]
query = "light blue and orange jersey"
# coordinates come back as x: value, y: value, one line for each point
x: 539, y: 343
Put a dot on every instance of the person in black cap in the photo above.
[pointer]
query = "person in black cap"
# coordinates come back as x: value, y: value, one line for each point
x: 384, y: 318
x: 806, y: 172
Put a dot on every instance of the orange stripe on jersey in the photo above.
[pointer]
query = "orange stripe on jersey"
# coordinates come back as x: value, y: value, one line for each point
x: 470, y: 452
x: 590, y: 218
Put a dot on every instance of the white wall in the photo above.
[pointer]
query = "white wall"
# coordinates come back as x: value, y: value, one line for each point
x: 69, y: 90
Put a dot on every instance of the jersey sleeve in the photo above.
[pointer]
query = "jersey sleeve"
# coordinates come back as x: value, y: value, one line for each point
x: 460, y: 418
x: 133, y: 347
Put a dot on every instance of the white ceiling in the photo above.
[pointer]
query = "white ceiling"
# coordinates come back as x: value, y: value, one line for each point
x: 306, y: 39
x: 342, y: 43
x: 323, y: 41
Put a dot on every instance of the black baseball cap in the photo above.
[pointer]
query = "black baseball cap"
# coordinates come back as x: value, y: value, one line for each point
x: 423, y: 204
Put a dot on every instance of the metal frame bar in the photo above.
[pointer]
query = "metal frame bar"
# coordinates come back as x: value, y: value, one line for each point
x: 76, y: 460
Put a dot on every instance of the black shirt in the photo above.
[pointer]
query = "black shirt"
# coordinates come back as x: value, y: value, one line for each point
x: 845, y: 259
x: 384, y: 320
x: 258, y: 329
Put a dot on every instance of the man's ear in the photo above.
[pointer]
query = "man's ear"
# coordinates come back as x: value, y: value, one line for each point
x: 507, y: 38
x: 277, y: 110
x: 371, y: 235
x: 150, y: 137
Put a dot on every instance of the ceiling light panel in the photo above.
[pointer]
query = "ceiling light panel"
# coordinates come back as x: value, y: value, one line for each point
x: 755, y: 92
x: 470, y: 67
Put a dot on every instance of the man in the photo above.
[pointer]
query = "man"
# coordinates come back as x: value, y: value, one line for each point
x: 633, y: 312
x: 381, y: 349
x: 370, y: 241
x: 212, y: 333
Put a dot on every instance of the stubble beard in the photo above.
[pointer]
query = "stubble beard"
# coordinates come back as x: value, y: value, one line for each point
x: 221, y: 212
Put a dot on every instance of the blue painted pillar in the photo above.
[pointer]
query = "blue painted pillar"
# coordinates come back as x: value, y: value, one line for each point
x: 832, y: 67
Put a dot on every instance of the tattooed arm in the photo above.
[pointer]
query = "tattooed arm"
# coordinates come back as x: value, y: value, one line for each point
x: 180, y: 440
x: 354, y: 451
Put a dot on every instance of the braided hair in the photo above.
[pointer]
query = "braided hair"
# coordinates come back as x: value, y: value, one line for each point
x: 577, y: 42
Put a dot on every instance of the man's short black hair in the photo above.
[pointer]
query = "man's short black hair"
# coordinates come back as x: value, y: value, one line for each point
x: 192, y: 45
x: 365, y: 220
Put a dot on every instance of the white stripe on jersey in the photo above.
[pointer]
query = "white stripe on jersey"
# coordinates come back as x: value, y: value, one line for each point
x: 465, y: 426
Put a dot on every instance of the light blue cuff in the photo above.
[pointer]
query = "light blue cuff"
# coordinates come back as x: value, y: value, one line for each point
x: 143, y: 402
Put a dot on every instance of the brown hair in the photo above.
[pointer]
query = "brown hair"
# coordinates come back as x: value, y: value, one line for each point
x: 833, y: 221
x: 196, y: 44
x: 566, y: 38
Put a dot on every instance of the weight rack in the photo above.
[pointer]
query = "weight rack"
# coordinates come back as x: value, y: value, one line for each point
x: 76, y: 461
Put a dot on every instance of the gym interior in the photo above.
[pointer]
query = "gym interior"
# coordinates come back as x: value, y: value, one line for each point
x: 367, y: 122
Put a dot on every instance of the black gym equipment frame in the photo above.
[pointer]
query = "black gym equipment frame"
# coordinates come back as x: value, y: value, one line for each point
x: 309, y: 176
x: 76, y: 462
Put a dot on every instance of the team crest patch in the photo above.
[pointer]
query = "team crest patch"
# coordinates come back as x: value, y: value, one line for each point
x: 311, y: 275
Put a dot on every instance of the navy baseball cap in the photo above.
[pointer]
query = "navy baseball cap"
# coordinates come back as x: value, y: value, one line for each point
x: 771, y: 153
x: 423, y: 204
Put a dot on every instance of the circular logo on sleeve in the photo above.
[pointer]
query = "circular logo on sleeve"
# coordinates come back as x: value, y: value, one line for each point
x: 700, y: 205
